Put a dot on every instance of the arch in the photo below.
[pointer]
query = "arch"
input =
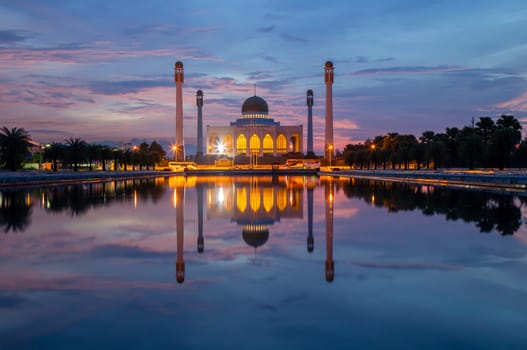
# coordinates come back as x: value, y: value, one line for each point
x: 281, y: 144
x: 268, y: 144
x: 254, y: 144
x: 254, y: 199
x: 211, y: 144
x: 295, y: 142
x: 227, y: 141
x: 268, y: 199
x: 241, y: 144
x: 241, y: 199
x: 281, y: 199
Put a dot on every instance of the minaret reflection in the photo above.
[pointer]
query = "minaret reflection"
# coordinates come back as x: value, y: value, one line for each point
x: 330, y: 264
x: 179, y: 201
x: 310, y: 239
x: 201, y: 241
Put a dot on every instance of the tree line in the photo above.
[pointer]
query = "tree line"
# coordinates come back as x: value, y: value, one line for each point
x: 488, y: 211
x: 484, y: 144
x: 15, y: 145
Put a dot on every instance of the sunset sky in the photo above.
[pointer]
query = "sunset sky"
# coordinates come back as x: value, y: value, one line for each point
x: 103, y: 70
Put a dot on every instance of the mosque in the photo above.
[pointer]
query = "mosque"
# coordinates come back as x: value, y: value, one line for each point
x: 255, y: 134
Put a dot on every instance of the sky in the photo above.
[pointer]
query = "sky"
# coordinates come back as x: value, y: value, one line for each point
x: 103, y: 70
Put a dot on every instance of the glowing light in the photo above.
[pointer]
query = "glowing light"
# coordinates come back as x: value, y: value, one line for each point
x: 135, y: 199
x: 220, y: 148
x: 174, y: 199
x: 221, y: 195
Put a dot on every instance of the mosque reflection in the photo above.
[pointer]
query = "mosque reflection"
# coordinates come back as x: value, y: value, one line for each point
x: 256, y: 204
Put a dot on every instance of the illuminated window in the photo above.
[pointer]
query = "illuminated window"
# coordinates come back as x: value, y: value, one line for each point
x: 268, y: 199
x: 241, y: 199
x: 241, y: 144
x: 255, y: 144
x: 212, y: 143
x: 267, y: 144
x: 227, y: 142
x: 281, y: 199
x: 255, y: 199
x: 281, y: 144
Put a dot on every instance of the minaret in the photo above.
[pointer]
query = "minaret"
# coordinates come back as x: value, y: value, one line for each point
x: 330, y: 264
x: 199, y: 103
x: 178, y: 79
x: 328, y: 79
x: 309, y: 96
x: 180, y: 209
x: 199, y: 193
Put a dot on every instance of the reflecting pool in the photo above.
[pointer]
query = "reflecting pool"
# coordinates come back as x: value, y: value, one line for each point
x: 261, y: 263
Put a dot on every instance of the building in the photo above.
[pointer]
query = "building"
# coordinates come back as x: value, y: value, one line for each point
x: 254, y: 134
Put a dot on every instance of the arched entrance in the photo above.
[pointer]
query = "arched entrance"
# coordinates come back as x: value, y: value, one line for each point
x: 268, y: 144
x: 281, y: 144
x: 241, y: 144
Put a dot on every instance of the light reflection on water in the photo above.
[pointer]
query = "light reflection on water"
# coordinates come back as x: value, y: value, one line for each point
x: 260, y: 261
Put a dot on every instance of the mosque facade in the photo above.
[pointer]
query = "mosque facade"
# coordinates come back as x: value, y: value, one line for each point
x: 254, y: 134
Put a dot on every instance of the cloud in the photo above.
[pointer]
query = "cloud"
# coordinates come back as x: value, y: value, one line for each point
x: 518, y: 103
x: 127, y: 86
x: 408, y: 70
x: 10, y: 301
x: 77, y: 53
x: 130, y: 252
x: 52, y: 94
x: 356, y: 59
x: 14, y: 36
x: 49, y: 131
x: 147, y: 29
x: 292, y: 38
x: 406, y: 265
x: 258, y: 75
x: 266, y: 29
x: 385, y: 59
x: 270, y: 59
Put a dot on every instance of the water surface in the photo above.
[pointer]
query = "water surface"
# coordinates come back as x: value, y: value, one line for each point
x: 261, y: 262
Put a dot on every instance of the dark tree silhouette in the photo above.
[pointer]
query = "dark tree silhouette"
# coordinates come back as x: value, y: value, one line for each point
x: 53, y: 153
x: 76, y: 151
x: 15, y: 211
x: 14, y: 146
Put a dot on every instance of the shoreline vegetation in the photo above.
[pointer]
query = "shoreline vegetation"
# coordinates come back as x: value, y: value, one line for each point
x: 508, y: 179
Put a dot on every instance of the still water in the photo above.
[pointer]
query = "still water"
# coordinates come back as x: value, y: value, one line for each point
x: 261, y: 263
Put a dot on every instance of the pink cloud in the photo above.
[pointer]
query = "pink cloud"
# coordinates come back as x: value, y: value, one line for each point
x: 28, y: 58
x: 518, y: 103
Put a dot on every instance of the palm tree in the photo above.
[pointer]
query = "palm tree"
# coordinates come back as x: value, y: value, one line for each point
x: 14, y: 146
x: 54, y: 153
x: 94, y: 152
x: 106, y: 155
x: 76, y: 148
x: 15, y: 212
